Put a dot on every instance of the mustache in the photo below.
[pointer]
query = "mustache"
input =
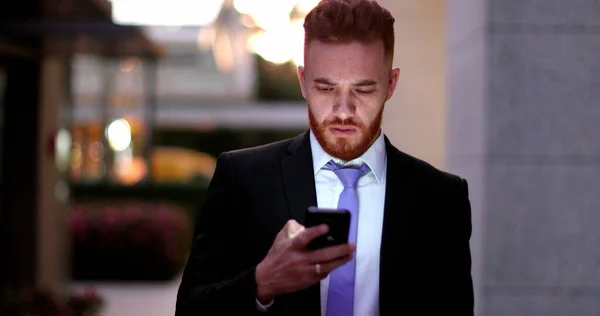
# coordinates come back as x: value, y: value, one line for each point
x: 345, y: 122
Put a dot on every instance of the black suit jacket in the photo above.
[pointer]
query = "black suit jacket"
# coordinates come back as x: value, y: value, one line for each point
x: 425, y: 261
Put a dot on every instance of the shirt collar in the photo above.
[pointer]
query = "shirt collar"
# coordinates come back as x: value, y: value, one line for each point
x: 374, y: 157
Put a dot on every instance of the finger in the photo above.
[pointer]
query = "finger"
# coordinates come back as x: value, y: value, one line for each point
x: 329, y: 266
x: 293, y: 228
x: 284, y: 232
x: 305, y: 236
x: 331, y: 253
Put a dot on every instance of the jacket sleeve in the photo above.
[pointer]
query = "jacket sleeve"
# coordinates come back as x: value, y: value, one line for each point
x: 215, y: 280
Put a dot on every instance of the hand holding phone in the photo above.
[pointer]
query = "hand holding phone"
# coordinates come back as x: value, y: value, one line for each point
x: 338, y: 221
x: 288, y: 267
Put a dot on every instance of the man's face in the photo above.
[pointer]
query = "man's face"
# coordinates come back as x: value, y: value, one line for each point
x: 346, y: 86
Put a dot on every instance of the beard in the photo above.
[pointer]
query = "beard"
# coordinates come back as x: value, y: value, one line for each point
x: 346, y: 148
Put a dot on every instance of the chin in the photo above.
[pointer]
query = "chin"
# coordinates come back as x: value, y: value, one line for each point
x: 345, y: 148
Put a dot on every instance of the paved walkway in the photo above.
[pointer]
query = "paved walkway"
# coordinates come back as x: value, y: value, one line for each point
x: 134, y: 299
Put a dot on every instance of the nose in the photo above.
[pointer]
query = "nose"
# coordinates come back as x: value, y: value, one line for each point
x: 344, y: 107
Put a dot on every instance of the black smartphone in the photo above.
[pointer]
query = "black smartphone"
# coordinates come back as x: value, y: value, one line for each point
x: 338, y: 221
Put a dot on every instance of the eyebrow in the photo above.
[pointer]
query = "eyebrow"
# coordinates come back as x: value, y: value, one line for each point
x: 362, y: 83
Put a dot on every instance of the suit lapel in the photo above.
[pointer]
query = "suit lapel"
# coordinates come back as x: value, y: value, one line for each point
x: 399, y: 201
x: 300, y: 192
x: 298, y: 178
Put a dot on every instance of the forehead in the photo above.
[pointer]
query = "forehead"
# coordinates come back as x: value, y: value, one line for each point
x: 345, y: 59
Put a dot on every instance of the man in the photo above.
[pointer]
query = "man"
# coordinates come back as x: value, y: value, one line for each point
x: 411, y: 253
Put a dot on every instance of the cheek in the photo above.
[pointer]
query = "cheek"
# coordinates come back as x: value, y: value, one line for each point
x: 368, y: 111
x: 318, y: 110
x: 321, y: 102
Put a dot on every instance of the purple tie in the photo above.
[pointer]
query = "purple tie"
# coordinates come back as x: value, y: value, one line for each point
x: 340, y: 297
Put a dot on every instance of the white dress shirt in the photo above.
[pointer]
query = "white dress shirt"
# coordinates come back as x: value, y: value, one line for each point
x: 371, y: 197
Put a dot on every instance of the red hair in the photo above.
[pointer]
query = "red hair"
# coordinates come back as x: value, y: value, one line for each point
x: 343, y: 21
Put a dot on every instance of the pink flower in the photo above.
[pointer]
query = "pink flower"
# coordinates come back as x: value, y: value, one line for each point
x: 78, y: 224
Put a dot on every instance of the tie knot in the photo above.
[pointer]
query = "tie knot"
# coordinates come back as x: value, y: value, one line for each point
x: 348, y: 175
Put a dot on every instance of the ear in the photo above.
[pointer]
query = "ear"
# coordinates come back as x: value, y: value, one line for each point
x: 302, y: 81
x: 394, y: 76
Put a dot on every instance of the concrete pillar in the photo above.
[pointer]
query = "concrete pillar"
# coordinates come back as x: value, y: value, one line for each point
x: 542, y: 169
x: 53, y: 260
x: 466, y: 114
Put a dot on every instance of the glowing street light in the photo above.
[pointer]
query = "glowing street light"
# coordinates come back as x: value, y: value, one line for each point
x: 118, y: 134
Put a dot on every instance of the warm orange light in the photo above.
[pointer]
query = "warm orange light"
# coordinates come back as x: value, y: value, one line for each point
x: 131, y: 172
x: 180, y: 164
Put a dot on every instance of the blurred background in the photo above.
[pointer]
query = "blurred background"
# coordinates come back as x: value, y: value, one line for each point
x: 112, y: 114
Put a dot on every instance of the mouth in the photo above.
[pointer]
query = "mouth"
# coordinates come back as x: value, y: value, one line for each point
x: 342, y: 131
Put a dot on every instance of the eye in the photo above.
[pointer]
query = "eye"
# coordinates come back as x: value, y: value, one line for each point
x: 366, y: 91
x: 324, y: 89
